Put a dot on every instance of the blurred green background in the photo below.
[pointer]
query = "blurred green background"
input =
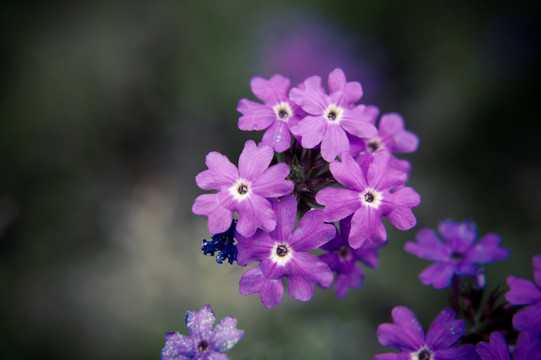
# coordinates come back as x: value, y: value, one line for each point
x: 107, y: 110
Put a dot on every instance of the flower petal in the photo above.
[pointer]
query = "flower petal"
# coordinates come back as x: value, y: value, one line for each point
x: 339, y: 203
x: 254, y: 160
x: 270, y: 291
x: 311, y: 98
x: 272, y: 182
x: 529, y: 319
x: 428, y: 246
x: 348, y: 173
x: 200, y: 323
x: 366, y: 225
x: 497, y: 349
x: 178, y: 347
x: 462, y: 352
x: 255, y: 211
x: 311, y: 130
x: 226, y: 334
x: 311, y: 232
x: 277, y: 136
x: 255, y: 116
x: 255, y: 248
x: 303, y: 271
x: 404, y: 334
x: 438, y: 275
x: 523, y: 292
x: 445, y: 330
x: 334, y: 142
x: 486, y: 250
x: 217, y: 207
x: 270, y: 91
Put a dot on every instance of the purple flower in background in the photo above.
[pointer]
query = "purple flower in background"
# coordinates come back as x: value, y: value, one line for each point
x: 331, y: 117
x: 526, y: 348
x: 525, y: 292
x: 342, y: 259
x: 284, y: 253
x: 277, y: 114
x: 457, y: 255
x: 408, y: 336
x: 369, y: 196
x: 245, y: 190
x: 203, y: 342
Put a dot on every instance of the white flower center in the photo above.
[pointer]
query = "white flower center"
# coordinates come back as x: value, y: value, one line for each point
x: 371, y: 197
x: 374, y: 145
x: 283, y: 111
x: 423, y: 354
x: 240, y: 190
x: 333, y: 114
x: 281, y: 253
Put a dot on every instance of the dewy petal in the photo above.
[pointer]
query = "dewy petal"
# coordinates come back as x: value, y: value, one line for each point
x: 348, y: 173
x: 277, y: 136
x: 462, y: 352
x: 404, y: 334
x: 439, y: 275
x: 255, y: 211
x: 445, y: 330
x: 270, y: 291
x: 217, y: 208
x: 255, y: 116
x: 487, y: 250
x: 200, y: 323
x: 312, y: 97
x: 272, y: 182
x: 311, y: 232
x: 339, y: 203
x: 213, y: 355
x: 270, y: 91
x: 529, y: 319
x: 226, y: 334
x: 254, y: 160
x: 334, y: 142
x: 523, y: 292
x: 178, y: 347
x: 303, y: 271
x: 311, y: 130
x: 497, y: 349
x: 428, y: 246
x: 255, y: 248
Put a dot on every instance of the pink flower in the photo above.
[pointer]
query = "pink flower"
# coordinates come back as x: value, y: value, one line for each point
x: 331, y: 117
x: 245, y: 190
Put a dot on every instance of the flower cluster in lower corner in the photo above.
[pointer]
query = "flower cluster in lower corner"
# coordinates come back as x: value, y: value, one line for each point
x: 203, y: 343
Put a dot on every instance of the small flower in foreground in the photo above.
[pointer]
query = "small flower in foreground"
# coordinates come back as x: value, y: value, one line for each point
x: 408, y: 336
x: 525, y: 292
x: 342, y: 259
x: 457, y: 255
x: 246, y: 190
x: 369, y: 196
x: 331, y: 117
x: 223, y: 244
x: 526, y: 348
x: 284, y: 253
x: 203, y: 342
x: 277, y: 115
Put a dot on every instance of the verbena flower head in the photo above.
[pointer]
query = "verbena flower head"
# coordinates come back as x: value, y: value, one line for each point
x: 331, y: 117
x: 284, y: 253
x: 408, y: 336
x: 277, y: 114
x: 203, y: 342
x: 342, y: 259
x: 245, y: 190
x: 526, y: 348
x: 223, y: 244
x: 525, y: 292
x: 369, y: 195
x: 458, y: 254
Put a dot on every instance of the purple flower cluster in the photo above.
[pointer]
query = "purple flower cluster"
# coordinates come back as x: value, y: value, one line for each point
x: 331, y: 163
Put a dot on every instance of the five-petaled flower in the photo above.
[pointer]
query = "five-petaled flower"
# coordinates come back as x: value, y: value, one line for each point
x: 457, y: 255
x: 408, y: 336
x: 203, y: 342
x: 331, y: 117
x: 525, y: 292
x: 277, y: 114
x: 284, y: 253
x: 245, y: 190
x: 369, y: 196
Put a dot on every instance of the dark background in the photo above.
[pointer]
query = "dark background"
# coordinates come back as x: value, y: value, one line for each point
x: 107, y: 110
